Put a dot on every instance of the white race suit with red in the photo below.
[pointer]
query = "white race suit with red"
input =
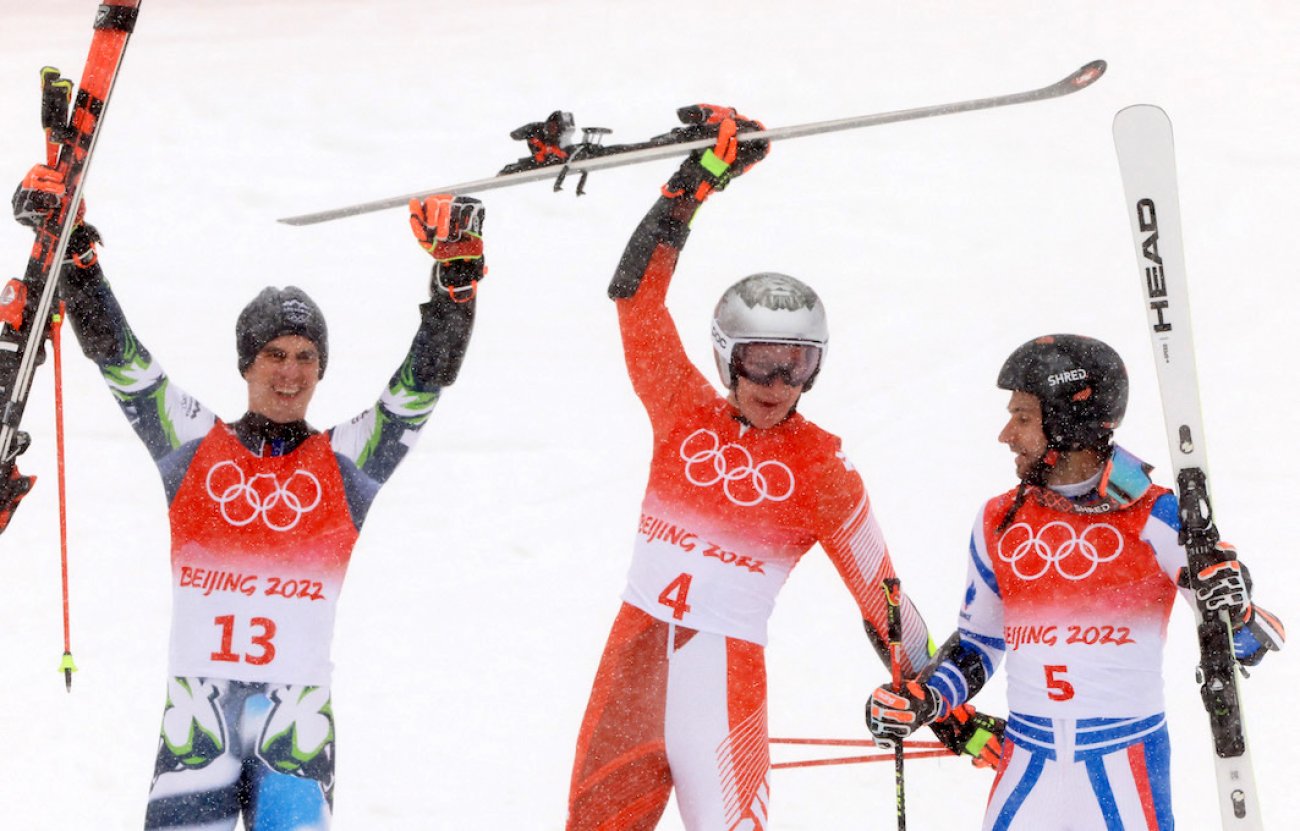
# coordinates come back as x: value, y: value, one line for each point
x: 1074, y: 589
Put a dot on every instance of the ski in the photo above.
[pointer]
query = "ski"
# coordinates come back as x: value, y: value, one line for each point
x: 26, y: 304
x: 589, y: 155
x: 1144, y: 141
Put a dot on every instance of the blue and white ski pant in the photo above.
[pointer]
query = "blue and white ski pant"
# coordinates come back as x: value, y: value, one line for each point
x: 1095, y: 774
x: 232, y: 749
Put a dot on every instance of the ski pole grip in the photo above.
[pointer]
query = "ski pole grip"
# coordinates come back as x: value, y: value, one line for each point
x: 894, y: 629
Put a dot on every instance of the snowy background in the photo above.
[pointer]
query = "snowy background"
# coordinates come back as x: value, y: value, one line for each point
x: 490, y: 569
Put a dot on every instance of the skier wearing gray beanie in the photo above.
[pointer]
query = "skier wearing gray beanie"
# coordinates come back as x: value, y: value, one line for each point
x: 275, y: 312
x: 264, y: 512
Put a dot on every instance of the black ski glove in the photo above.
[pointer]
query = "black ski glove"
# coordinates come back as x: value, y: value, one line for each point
x: 1226, y: 585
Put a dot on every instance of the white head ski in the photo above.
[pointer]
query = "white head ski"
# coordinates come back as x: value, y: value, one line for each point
x: 1144, y: 140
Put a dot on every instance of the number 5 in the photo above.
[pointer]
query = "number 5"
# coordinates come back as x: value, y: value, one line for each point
x: 1058, y: 689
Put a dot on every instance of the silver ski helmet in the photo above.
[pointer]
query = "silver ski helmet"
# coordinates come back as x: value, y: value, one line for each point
x: 275, y: 312
x: 767, y: 308
x: 1080, y: 383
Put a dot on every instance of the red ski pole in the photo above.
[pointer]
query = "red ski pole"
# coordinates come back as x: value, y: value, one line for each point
x: 853, y: 760
x: 56, y: 346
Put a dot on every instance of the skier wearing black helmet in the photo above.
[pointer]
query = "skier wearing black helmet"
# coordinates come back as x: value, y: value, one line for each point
x: 264, y: 512
x: 1071, y: 579
x: 741, y: 485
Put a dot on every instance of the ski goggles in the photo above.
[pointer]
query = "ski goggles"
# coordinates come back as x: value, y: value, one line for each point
x: 762, y: 363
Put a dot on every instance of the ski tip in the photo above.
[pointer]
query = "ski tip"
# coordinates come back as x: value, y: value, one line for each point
x: 1139, y: 114
x: 1138, y: 109
x: 1088, y: 74
x: 312, y: 219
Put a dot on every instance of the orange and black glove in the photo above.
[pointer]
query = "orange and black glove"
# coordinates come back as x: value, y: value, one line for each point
x: 1226, y: 586
x: 893, y: 715
x: 450, y: 228
x: 12, y: 492
x: 38, y: 197
x: 968, y: 732
x: 713, y: 168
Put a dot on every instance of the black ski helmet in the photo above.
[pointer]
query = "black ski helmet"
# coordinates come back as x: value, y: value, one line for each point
x: 275, y: 312
x: 1080, y: 383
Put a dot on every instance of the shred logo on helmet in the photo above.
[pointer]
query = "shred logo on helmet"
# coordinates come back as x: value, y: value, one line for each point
x: 1080, y: 383
x: 768, y: 308
x: 1068, y: 375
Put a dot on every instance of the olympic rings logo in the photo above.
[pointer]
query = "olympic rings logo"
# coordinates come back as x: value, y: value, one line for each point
x: 709, y: 461
x: 1057, y: 546
x: 279, y: 506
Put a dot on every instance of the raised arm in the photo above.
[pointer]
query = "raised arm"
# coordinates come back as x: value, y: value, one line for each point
x: 163, y: 416
x: 656, y: 362
x: 451, y: 230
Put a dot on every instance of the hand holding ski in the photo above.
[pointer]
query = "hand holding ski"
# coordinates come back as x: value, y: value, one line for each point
x: 450, y: 228
x: 713, y: 168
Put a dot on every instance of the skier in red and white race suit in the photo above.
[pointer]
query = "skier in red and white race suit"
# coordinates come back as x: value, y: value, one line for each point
x: 1072, y: 577
x: 740, y: 487
x: 264, y: 513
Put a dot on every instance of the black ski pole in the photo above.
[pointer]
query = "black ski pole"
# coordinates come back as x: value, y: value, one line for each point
x: 894, y: 624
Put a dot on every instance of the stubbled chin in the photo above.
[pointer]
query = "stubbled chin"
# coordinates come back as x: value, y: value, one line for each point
x: 1024, y: 465
x: 770, y: 416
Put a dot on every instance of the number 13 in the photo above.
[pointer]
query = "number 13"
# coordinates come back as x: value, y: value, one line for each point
x: 263, y: 640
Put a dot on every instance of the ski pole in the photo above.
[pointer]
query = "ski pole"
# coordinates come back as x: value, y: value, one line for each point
x: 56, y: 345
x: 56, y: 99
x: 851, y: 760
x: 909, y: 745
x: 894, y: 623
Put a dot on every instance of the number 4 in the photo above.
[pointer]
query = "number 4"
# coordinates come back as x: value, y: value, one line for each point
x: 674, y: 595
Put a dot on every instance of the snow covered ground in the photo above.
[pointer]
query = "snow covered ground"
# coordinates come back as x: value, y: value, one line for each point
x: 489, y: 571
